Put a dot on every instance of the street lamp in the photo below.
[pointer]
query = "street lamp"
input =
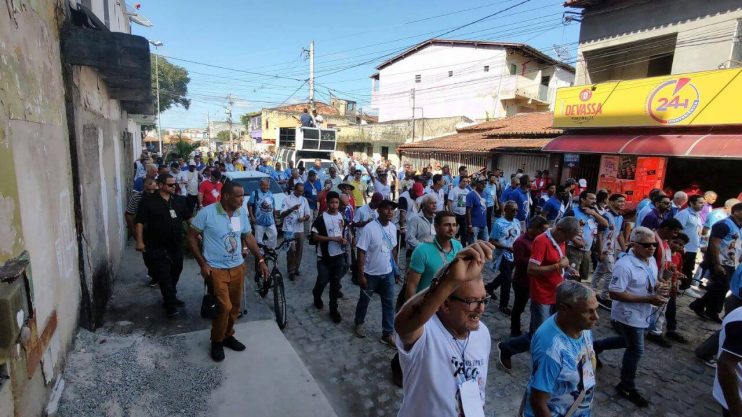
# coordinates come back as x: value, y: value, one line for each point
x: 157, y: 44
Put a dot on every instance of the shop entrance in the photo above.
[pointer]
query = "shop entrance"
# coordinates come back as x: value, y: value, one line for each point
x: 719, y: 175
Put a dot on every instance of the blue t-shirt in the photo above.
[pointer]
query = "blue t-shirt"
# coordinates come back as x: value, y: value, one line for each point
x: 427, y: 260
x: 521, y: 198
x: 588, y: 224
x: 222, y: 235
x: 642, y: 204
x: 552, y: 208
x: 139, y: 184
x: 736, y: 283
x: 263, y: 205
x: 560, y: 364
x: 490, y: 194
x: 476, y: 203
x: 505, y: 196
x: 505, y: 232
x: 715, y: 216
x: 310, y: 192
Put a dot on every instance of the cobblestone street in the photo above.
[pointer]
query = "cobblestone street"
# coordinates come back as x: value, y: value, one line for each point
x: 355, y: 375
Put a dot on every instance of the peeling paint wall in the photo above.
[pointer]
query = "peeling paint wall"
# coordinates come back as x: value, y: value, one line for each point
x: 36, y: 188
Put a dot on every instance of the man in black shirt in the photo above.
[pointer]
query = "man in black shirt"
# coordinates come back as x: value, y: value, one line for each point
x: 159, y: 235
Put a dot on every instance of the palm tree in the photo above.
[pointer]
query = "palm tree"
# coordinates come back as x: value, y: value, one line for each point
x: 182, y: 149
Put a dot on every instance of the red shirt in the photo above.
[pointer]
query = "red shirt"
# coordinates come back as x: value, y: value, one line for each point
x: 211, y: 192
x: 543, y: 253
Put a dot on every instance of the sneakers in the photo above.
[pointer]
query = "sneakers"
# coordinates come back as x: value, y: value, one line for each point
x: 632, y: 395
x: 233, y: 344
x: 388, y: 340
x: 677, y: 337
x: 658, y: 340
x: 336, y: 317
x: 217, y: 351
x: 503, y: 358
x: 359, y: 331
x: 708, y: 361
x: 605, y: 303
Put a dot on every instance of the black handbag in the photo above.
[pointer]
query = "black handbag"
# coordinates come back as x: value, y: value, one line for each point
x: 209, y: 304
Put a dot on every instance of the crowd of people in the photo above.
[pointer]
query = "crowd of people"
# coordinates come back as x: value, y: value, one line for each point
x: 566, y: 249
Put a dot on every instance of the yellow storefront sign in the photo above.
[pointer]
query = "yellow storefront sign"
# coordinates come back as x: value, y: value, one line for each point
x: 693, y: 99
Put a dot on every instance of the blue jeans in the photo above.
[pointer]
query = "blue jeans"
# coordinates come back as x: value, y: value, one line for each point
x: 632, y: 338
x: 520, y: 344
x: 384, y: 286
x: 479, y: 233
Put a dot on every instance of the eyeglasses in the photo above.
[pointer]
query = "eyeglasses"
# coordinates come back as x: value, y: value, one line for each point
x: 646, y: 245
x: 472, y: 305
x: 170, y: 185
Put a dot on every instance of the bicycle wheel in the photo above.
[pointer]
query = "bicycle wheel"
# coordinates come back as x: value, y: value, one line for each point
x: 279, y: 298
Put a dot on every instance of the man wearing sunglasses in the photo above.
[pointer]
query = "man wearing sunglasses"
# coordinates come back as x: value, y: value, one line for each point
x: 159, y: 236
x: 634, y: 289
x: 443, y: 347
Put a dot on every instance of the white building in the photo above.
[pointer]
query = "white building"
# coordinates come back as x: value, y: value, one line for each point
x: 477, y: 79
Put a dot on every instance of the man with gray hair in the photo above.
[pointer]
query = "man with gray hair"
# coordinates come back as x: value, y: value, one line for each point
x: 420, y: 226
x: 678, y: 201
x: 563, y: 377
x: 546, y: 270
x: 634, y: 289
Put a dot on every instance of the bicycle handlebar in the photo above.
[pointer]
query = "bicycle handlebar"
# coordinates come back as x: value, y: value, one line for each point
x: 283, y: 244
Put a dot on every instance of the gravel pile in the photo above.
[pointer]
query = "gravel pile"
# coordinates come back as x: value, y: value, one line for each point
x: 134, y: 376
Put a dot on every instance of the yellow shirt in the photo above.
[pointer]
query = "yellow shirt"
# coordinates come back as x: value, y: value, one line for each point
x: 358, y: 192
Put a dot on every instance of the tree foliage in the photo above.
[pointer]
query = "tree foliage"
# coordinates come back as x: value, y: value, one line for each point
x: 223, y: 136
x: 245, y: 119
x: 173, y: 83
x: 182, y: 149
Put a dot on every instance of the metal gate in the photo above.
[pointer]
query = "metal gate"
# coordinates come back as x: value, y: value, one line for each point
x: 529, y: 163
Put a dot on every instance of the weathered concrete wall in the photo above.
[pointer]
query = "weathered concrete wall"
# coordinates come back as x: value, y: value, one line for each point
x: 706, y: 31
x: 401, y: 131
x: 36, y: 187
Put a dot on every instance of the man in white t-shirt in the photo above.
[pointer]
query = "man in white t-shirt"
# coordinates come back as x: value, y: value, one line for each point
x: 457, y: 205
x: 181, y: 179
x: 295, y: 212
x: 728, y: 381
x: 377, y: 251
x: 327, y: 233
x: 443, y: 347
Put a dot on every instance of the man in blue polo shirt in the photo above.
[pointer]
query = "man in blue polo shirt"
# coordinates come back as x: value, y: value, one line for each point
x: 225, y: 230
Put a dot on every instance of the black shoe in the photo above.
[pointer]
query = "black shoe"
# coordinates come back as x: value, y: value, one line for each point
x: 504, y: 358
x: 318, y: 302
x: 152, y: 283
x: 233, y: 344
x: 336, y: 317
x: 217, y: 351
x: 632, y: 395
x: 677, y: 337
x: 179, y: 303
x: 714, y: 317
x: 698, y: 310
x: 172, y: 313
x: 341, y: 295
x: 292, y: 277
x: 658, y: 340
x: 506, y: 310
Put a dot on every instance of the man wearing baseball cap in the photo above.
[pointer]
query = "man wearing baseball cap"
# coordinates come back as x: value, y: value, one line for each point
x: 377, y: 251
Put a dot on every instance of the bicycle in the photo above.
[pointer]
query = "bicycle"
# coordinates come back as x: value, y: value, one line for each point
x: 274, y: 281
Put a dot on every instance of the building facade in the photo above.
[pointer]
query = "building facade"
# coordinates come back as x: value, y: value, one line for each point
x: 476, y: 79
x: 624, y: 40
x: 69, y: 136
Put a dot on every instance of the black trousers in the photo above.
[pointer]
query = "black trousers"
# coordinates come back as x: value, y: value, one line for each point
x: 192, y: 201
x: 689, y: 265
x: 713, y: 301
x: 329, y: 271
x: 519, y: 306
x: 490, y: 214
x: 463, y: 233
x: 503, y: 280
x: 166, y: 265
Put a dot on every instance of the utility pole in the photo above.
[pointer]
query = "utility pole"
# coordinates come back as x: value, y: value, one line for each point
x: 311, y: 77
x: 157, y: 44
x: 208, y: 129
x: 413, y: 114
x: 229, y: 120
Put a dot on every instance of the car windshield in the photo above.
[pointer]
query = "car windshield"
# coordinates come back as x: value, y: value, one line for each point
x: 252, y: 184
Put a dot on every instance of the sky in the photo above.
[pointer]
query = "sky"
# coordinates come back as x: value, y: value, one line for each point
x: 255, y: 50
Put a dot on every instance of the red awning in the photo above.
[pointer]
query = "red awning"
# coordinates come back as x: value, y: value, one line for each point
x: 693, y: 146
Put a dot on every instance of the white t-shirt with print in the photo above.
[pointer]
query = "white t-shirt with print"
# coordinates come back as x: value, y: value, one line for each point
x: 377, y: 242
x: 364, y: 213
x: 433, y: 366
x: 457, y: 197
x: 334, y: 227
x: 291, y: 222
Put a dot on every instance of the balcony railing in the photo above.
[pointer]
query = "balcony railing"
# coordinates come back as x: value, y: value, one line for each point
x: 520, y: 87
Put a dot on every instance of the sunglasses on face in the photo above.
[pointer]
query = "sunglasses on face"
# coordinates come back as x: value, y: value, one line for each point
x: 646, y: 245
x: 472, y: 305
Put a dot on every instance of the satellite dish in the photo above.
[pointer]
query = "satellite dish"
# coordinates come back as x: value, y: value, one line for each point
x: 137, y: 18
